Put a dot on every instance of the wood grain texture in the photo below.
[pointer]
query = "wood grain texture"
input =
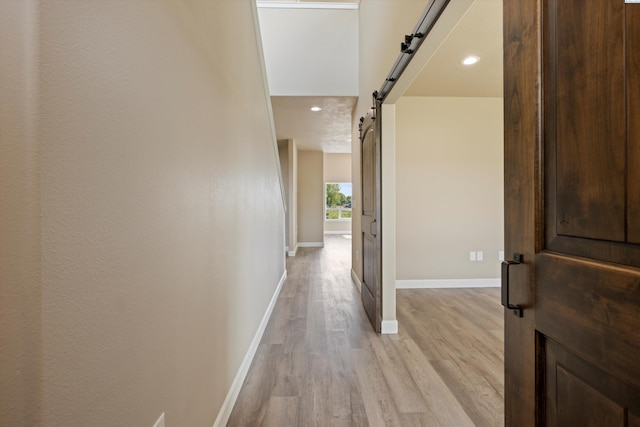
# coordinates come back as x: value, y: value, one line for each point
x: 522, y: 152
x: 321, y: 364
x: 589, y: 121
x: 592, y: 310
x: 633, y: 121
x: 591, y: 129
x: 578, y: 394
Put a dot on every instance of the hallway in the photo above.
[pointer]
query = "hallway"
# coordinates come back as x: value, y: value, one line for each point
x: 320, y: 364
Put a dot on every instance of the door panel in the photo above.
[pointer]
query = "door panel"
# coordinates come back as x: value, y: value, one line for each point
x: 588, y: 306
x: 368, y: 280
x: 572, y: 190
x: 591, y: 190
x: 588, y: 85
x: 573, y: 394
x: 593, y: 309
x: 580, y: 394
x: 370, y: 177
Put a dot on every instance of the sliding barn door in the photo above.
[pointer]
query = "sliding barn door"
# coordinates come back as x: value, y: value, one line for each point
x: 370, y: 220
x: 572, y: 200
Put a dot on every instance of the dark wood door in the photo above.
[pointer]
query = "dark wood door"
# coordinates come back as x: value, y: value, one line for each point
x: 572, y: 196
x: 370, y: 210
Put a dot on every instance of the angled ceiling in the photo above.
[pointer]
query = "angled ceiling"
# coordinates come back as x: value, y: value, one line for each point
x: 478, y: 33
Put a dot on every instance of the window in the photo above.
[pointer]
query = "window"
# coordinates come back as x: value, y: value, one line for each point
x: 338, y: 201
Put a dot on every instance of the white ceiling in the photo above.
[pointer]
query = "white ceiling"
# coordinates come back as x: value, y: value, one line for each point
x: 478, y: 33
x: 328, y: 130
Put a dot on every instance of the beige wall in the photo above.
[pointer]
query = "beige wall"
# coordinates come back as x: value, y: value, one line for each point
x: 20, y: 238
x: 292, y: 203
x: 449, y: 196
x: 337, y: 227
x: 337, y: 168
x: 310, y: 197
x: 142, y: 218
x: 283, y: 155
x: 288, y: 153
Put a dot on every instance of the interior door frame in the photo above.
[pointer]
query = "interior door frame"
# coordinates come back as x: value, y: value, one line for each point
x: 522, y: 34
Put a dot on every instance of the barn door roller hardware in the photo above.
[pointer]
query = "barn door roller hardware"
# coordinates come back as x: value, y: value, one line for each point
x: 411, y: 43
x: 405, y: 47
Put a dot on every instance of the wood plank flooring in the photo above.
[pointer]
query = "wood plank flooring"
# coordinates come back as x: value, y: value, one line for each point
x: 320, y: 364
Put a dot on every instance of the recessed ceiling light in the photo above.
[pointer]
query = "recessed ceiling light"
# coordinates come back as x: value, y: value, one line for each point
x: 470, y: 60
x: 316, y: 108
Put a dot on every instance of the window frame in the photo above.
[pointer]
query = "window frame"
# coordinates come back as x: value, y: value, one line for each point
x: 340, y: 209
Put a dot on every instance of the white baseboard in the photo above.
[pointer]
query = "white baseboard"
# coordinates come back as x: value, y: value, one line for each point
x: 389, y: 327
x: 338, y: 232
x: 293, y: 252
x: 447, y: 283
x: 356, y: 280
x: 311, y: 244
x: 232, y: 395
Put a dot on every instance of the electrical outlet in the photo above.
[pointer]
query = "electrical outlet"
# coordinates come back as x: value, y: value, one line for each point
x: 160, y: 422
x: 479, y: 256
x: 472, y: 256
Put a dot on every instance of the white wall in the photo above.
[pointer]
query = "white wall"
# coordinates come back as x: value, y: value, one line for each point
x: 142, y: 218
x: 310, y: 52
x: 293, y: 196
x: 20, y: 238
x: 310, y: 198
x: 289, y: 165
x: 449, y: 187
x: 283, y: 154
x: 337, y: 168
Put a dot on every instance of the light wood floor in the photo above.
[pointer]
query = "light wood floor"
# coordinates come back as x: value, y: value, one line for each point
x: 320, y: 364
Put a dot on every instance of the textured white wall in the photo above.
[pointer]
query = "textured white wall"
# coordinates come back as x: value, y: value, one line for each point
x: 147, y: 155
x: 449, y: 187
x: 20, y: 258
x: 310, y: 52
